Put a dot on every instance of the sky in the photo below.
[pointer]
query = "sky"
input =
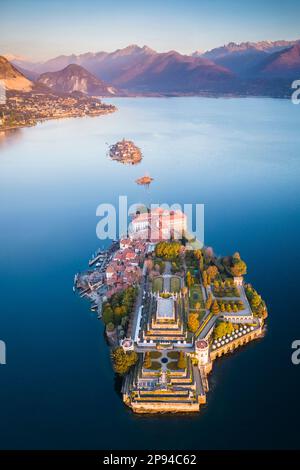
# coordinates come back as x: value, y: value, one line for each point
x: 40, y: 30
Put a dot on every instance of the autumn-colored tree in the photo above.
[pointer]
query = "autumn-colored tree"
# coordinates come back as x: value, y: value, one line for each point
x: 189, y: 279
x: 168, y: 250
x: 212, y: 271
x: 147, y: 360
x: 198, y: 254
x: 238, y: 267
x: 184, y: 290
x: 193, y: 322
x: 222, y: 329
x: 122, y: 361
x: 256, y: 300
x: 208, y: 302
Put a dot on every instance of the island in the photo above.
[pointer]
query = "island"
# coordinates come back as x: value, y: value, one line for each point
x: 145, y: 180
x: 125, y: 151
x: 169, y: 310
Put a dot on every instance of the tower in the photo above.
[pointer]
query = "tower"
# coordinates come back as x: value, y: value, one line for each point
x: 202, y: 352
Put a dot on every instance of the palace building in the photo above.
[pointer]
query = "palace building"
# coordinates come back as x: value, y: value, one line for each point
x: 158, y: 224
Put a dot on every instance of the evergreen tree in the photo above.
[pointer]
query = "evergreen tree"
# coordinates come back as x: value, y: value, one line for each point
x: 181, y: 360
x: 215, y: 308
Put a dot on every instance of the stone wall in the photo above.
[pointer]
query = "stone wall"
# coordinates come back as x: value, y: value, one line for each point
x: 164, y: 407
x: 230, y: 347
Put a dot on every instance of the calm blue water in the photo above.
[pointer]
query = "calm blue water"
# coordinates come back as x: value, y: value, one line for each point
x: 240, y: 158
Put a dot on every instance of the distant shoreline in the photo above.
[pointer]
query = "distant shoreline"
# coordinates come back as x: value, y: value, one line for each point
x: 52, y: 118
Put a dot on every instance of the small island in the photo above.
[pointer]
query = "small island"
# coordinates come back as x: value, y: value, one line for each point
x: 170, y: 310
x: 145, y: 180
x: 125, y: 151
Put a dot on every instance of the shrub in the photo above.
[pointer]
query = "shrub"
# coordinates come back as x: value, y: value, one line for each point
x: 110, y: 327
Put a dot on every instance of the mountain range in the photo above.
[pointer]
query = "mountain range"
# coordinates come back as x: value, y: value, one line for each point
x: 264, y: 68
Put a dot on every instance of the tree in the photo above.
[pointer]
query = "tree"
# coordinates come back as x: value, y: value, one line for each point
x: 189, y: 279
x: 205, y: 283
x: 108, y: 315
x: 238, y: 267
x: 215, y: 308
x: 212, y: 271
x: 168, y: 250
x: 147, y: 360
x: 193, y: 322
x: 184, y: 290
x: 122, y: 361
x: 256, y: 300
x: 181, y: 360
x: 208, y: 303
x: 110, y: 327
x: 222, y: 329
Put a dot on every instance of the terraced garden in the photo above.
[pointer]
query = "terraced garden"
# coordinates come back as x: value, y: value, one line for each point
x: 196, y: 297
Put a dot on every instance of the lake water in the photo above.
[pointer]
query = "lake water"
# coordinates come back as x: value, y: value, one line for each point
x: 240, y: 157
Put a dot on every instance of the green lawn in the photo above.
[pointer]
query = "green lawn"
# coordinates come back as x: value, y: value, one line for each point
x: 173, y: 355
x: 155, y: 354
x: 155, y: 365
x: 196, y: 296
x: 175, y: 284
x: 172, y: 365
x: 157, y: 284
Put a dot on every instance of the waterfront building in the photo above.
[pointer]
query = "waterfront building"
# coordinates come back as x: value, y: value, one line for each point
x: 158, y: 224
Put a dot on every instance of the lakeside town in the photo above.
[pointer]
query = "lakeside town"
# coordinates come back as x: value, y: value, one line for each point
x: 22, y: 109
x: 170, y: 309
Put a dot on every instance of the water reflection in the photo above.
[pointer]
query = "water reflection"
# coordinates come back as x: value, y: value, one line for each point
x: 10, y: 137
